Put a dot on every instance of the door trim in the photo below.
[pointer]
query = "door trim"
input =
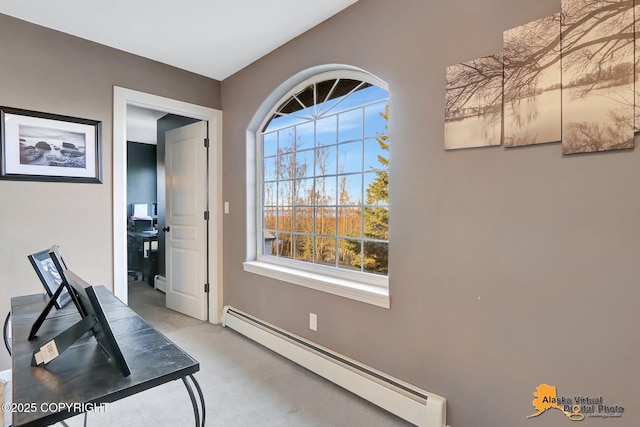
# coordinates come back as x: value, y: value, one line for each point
x: 121, y: 98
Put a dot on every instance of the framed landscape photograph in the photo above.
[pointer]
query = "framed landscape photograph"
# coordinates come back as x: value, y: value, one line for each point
x: 49, y: 276
x: 39, y: 146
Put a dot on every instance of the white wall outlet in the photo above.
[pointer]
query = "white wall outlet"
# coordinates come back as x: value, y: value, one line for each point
x: 226, y: 207
x: 313, y: 321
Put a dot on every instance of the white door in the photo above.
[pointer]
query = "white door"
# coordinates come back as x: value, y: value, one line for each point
x: 186, y: 230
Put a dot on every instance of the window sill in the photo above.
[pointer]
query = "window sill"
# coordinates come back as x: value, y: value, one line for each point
x: 358, y: 291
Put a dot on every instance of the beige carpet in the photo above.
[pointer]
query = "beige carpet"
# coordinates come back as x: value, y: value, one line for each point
x: 244, y: 384
x: 150, y: 304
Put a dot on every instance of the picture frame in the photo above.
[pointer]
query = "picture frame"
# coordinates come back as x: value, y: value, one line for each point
x: 49, y: 275
x: 36, y: 146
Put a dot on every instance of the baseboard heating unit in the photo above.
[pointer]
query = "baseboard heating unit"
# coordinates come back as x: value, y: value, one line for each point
x: 413, y: 404
x: 160, y: 283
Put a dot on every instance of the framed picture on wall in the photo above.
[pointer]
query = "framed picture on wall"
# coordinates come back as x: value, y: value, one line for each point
x: 39, y: 146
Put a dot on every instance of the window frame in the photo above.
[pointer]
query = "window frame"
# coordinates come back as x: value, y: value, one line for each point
x: 357, y: 285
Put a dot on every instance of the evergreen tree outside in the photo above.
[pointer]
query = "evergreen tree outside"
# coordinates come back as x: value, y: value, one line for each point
x: 376, y: 215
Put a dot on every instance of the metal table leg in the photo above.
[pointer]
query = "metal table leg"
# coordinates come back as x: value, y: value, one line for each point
x: 199, y: 421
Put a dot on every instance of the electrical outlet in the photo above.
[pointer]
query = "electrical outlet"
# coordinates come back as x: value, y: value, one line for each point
x: 226, y: 207
x: 313, y: 321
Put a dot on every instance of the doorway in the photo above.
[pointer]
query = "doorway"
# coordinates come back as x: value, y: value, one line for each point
x: 122, y: 99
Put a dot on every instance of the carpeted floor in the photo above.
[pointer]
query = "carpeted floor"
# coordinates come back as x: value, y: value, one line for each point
x: 150, y: 304
x: 244, y: 384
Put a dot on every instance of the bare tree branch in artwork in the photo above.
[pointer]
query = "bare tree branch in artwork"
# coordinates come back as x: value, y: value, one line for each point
x: 596, y: 38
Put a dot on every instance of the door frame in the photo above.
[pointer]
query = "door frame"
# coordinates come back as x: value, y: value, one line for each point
x: 121, y: 98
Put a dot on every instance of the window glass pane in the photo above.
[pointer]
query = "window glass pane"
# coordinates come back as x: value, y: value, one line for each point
x: 375, y: 158
x: 285, y: 166
x: 376, y: 187
x: 279, y: 122
x: 350, y: 189
x: 376, y: 223
x: 290, y: 105
x: 350, y: 157
x: 326, y: 221
x: 376, y: 257
x: 304, y: 247
x: 285, y: 245
x: 270, y: 169
x: 304, y: 97
x: 353, y: 93
x: 326, y: 130
x: 325, y: 161
x: 304, y: 136
x: 270, y: 144
x: 326, y: 191
x: 285, y: 218
x: 269, y: 195
x: 285, y: 193
x: 304, y: 219
x: 304, y: 162
x: 269, y: 243
x: 286, y: 140
x: 350, y: 125
x: 349, y: 222
x: 374, y: 121
x: 270, y: 218
x: 325, y: 250
x: 370, y: 94
x: 304, y: 192
x: 349, y: 254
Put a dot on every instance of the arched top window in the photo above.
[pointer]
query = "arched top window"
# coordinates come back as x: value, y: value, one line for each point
x: 322, y: 180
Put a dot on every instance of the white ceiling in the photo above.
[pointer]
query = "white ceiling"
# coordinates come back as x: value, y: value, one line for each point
x: 214, y: 38
x: 142, y: 124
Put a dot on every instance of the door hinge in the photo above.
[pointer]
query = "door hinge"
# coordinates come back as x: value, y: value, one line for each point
x: 206, y: 287
x: 206, y: 215
x: 206, y: 143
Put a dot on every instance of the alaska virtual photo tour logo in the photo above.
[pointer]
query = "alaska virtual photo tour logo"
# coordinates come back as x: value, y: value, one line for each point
x: 576, y: 407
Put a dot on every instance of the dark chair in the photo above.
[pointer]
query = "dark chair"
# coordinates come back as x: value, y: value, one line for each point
x: 5, y: 333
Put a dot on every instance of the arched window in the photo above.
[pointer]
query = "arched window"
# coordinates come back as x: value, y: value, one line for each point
x: 322, y: 181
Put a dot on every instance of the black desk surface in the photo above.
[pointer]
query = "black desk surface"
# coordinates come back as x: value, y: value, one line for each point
x: 83, y: 374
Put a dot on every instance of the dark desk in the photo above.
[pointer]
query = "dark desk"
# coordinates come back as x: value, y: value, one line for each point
x: 83, y: 375
x: 142, y: 251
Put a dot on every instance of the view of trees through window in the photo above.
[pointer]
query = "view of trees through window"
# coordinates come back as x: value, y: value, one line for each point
x: 325, y: 182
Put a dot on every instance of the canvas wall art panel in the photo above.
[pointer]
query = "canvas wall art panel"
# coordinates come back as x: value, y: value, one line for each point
x: 473, y: 115
x: 597, y: 75
x: 532, y: 77
x: 636, y: 13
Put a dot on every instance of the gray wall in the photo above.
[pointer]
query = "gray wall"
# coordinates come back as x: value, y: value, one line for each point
x: 48, y: 71
x: 508, y: 268
x: 141, y: 174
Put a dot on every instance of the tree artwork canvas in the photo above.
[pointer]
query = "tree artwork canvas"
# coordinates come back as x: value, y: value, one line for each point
x: 597, y: 75
x: 532, y: 91
x: 636, y: 33
x: 473, y: 113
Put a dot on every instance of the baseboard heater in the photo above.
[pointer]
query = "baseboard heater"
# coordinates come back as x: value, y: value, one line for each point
x: 160, y: 283
x: 413, y: 404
